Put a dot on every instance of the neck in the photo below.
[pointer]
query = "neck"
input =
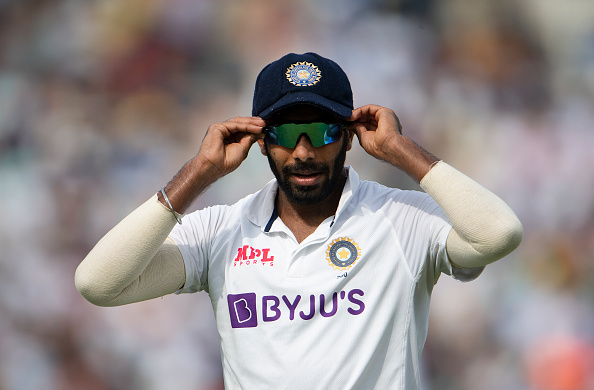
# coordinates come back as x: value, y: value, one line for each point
x: 303, y: 219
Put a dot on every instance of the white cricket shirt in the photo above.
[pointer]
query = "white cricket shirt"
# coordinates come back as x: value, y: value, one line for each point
x: 347, y: 308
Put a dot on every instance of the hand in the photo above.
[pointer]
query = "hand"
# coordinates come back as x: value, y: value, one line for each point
x: 380, y: 134
x: 226, y: 145
x: 378, y: 130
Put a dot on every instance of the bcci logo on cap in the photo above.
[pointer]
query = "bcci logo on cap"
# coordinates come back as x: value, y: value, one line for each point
x: 303, y: 74
x: 342, y: 253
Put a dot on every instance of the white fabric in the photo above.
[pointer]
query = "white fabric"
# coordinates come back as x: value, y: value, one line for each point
x: 486, y: 228
x: 288, y: 319
x: 110, y: 274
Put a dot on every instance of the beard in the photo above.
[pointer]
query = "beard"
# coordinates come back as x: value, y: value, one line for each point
x: 308, y: 195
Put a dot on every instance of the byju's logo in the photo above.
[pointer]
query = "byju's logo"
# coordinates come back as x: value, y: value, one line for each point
x: 242, y: 309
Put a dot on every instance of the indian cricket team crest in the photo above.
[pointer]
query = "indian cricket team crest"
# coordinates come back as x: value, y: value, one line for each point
x: 303, y: 74
x: 342, y: 253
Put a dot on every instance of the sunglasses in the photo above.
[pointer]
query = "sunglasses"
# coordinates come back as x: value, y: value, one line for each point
x: 288, y: 134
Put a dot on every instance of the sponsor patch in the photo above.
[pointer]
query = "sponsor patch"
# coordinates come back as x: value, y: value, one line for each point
x: 242, y: 310
x: 245, y: 309
x: 247, y: 255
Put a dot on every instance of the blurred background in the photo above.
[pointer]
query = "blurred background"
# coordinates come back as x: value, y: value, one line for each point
x: 102, y: 101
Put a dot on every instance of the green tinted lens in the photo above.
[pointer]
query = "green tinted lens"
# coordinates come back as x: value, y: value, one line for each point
x: 288, y: 134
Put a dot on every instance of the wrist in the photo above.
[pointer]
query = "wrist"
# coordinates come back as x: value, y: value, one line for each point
x: 163, y: 196
x: 411, y: 158
x: 193, y: 179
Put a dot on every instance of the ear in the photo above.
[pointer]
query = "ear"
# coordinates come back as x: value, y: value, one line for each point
x: 350, y: 134
x: 262, y: 146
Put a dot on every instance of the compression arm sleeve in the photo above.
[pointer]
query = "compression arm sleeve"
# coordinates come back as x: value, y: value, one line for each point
x: 485, y: 228
x: 134, y: 261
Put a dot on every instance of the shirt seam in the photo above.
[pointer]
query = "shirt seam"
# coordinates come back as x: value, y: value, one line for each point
x: 407, y: 332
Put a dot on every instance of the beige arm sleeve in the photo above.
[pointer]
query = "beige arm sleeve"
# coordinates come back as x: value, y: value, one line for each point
x: 134, y: 261
x: 485, y: 229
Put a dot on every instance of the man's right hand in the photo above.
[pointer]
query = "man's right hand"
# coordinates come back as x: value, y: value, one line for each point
x: 224, y: 147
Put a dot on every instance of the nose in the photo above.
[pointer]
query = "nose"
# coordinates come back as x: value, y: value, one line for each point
x: 304, y: 150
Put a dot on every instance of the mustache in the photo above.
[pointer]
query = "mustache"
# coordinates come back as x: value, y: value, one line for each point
x: 302, y: 167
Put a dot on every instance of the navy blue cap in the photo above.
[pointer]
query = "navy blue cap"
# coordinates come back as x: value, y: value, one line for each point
x: 302, y: 79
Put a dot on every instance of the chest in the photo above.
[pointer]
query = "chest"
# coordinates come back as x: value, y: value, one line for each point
x: 333, y: 262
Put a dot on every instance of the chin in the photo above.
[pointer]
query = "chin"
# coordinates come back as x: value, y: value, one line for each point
x: 304, y: 194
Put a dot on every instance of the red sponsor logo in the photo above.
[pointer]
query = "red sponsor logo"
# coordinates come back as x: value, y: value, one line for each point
x: 246, y: 255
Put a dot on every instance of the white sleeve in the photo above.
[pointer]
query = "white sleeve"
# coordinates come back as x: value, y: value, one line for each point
x: 133, y: 262
x: 485, y: 228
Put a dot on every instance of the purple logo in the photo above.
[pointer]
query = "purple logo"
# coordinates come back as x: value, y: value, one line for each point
x: 242, y: 310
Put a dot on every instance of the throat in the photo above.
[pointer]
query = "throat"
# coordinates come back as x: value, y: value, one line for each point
x: 304, y: 219
x: 303, y: 227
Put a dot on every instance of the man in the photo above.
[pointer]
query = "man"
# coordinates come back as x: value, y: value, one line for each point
x: 319, y: 280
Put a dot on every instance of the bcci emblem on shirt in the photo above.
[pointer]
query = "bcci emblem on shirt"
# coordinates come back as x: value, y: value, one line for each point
x: 342, y: 253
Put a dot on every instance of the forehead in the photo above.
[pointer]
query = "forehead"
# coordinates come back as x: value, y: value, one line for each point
x: 302, y: 113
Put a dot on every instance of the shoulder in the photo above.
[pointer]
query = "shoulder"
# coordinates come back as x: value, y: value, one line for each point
x: 373, y: 193
x: 221, y: 211
x: 256, y: 207
x: 397, y: 205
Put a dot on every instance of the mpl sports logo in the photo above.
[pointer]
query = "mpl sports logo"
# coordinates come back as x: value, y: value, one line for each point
x: 246, y: 309
x: 247, y: 255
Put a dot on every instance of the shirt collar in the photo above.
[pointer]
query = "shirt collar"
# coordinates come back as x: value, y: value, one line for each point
x: 260, y: 208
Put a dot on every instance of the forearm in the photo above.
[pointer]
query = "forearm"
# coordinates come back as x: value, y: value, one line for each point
x: 113, y: 267
x: 485, y: 228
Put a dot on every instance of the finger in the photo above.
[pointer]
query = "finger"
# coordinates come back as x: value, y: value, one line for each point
x: 370, y: 109
x: 230, y: 131
x: 249, y: 139
x: 244, y: 124
x: 369, y: 124
x: 238, y: 151
x: 390, y: 117
x: 359, y: 113
x: 355, y: 115
x: 359, y: 129
x: 366, y: 113
x: 245, y: 138
x: 248, y: 119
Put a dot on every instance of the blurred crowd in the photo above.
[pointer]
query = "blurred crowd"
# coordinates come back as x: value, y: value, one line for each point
x: 102, y: 101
